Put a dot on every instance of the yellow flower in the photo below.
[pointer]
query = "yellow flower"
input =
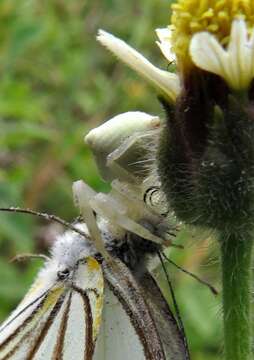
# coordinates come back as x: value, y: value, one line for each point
x: 214, y: 16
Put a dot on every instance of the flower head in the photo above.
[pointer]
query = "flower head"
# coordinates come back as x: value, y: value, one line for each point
x: 213, y: 16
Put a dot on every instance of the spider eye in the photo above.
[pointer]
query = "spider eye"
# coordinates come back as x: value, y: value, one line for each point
x: 63, y: 274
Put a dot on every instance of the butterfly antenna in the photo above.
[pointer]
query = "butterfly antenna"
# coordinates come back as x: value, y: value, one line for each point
x: 176, y: 307
x: 24, y: 257
x: 212, y: 288
x: 45, y: 216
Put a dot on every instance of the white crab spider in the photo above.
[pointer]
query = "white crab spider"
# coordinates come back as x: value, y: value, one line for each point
x: 121, y: 147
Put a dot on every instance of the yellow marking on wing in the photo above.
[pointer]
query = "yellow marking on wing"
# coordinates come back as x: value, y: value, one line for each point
x: 92, y: 264
x: 97, y: 305
x: 93, y: 280
x: 53, y: 297
x: 97, y: 316
x: 50, y: 301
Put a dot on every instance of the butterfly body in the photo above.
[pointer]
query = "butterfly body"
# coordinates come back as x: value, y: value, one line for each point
x: 65, y: 299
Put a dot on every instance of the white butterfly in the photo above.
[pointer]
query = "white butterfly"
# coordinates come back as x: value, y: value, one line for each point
x: 67, y: 307
x: 60, y: 316
x: 98, y: 286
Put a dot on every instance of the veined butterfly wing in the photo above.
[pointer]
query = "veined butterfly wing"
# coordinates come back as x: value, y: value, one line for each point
x: 137, y: 322
x: 117, y: 338
x: 173, y: 340
x: 59, y: 318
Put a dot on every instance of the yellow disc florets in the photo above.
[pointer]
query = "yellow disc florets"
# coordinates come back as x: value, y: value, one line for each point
x: 215, y: 16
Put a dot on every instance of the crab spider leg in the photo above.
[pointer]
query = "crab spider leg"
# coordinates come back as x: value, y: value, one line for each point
x: 83, y: 194
x: 128, y: 153
x: 120, y: 172
x: 129, y: 195
x: 105, y: 206
x: 132, y: 195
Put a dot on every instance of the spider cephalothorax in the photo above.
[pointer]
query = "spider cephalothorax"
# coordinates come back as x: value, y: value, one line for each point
x: 130, y: 221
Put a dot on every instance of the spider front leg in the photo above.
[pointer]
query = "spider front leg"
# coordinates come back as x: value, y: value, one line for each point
x: 82, y: 195
x: 117, y: 213
x: 110, y: 209
x: 129, y: 162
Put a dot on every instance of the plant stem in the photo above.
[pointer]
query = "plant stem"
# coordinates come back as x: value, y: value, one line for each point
x: 236, y: 252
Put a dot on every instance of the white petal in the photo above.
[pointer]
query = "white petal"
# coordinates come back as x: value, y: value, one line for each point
x: 208, y: 54
x: 251, y: 49
x: 164, y: 43
x: 165, y: 81
x: 235, y: 64
x: 245, y: 51
x: 238, y: 58
x: 164, y: 33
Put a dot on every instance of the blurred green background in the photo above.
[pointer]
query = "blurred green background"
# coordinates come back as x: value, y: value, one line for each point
x: 57, y: 83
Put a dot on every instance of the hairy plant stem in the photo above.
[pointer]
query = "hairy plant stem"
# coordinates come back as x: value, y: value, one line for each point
x: 236, y: 253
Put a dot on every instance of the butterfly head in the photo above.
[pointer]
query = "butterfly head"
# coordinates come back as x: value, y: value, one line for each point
x: 70, y: 247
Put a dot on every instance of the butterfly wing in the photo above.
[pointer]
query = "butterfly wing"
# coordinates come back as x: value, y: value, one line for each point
x: 136, y: 322
x: 117, y: 336
x: 128, y: 330
x: 82, y: 327
x: 173, y: 340
x: 61, y: 323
